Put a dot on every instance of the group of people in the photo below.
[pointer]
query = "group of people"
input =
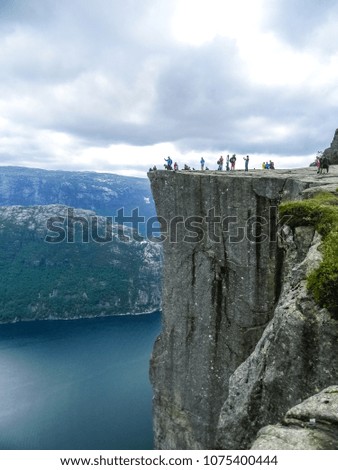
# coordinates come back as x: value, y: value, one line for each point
x: 322, y: 163
x: 230, y: 164
x: 268, y: 165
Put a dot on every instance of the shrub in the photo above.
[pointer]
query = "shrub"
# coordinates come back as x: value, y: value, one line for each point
x: 321, y: 211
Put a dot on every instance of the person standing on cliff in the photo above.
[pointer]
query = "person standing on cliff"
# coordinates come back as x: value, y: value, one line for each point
x: 318, y: 163
x: 228, y: 163
x: 246, y: 160
x: 202, y: 163
x: 220, y: 163
x: 233, y: 162
x: 169, y: 163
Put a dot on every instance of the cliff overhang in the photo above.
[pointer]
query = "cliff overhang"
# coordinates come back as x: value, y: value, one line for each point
x: 228, y: 269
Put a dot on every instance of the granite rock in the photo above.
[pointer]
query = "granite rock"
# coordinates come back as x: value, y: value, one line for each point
x: 242, y: 340
x: 332, y: 151
x: 296, y: 356
x: 311, y: 425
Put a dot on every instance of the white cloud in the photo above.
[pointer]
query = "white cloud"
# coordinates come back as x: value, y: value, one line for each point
x: 196, y: 22
x: 115, y: 86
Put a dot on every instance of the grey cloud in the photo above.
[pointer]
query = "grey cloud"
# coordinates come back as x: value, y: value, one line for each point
x: 298, y: 21
x: 61, y: 67
x: 74, y: 35
x: 205, y: 100
x: 108, y: 72
x: 14, y: 12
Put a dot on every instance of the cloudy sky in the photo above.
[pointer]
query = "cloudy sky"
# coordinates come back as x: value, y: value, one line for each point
x: 117, y: 85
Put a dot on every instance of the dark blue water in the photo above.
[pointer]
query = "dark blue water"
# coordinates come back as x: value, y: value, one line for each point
x: 79, y: 384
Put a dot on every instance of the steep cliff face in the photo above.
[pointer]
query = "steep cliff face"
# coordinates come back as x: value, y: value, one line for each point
x: 223, y: 271
x: 296, y: 356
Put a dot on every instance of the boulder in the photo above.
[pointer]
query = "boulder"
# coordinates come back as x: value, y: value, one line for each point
x: 311, y: 425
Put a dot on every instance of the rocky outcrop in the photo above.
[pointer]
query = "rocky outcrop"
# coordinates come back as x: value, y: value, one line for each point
x: 223, y: 278
x: 61, y: 263
x: 311, y: 425
x: 332, y: 151
x: 296, y: 356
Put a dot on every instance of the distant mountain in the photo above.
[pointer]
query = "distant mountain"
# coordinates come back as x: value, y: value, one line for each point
x: 103, y: 193
x: 54, y: 263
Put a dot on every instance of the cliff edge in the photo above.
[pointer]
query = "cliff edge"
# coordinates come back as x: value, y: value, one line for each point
x: 237, y: 348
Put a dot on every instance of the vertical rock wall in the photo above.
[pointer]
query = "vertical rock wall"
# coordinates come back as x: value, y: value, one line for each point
x: 296, y: 357
x: 220, y: 290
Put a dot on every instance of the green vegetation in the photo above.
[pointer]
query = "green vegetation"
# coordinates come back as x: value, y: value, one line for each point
x: 321, y: 212
x: 41, y: 280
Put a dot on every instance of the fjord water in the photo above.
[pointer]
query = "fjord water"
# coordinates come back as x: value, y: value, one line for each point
x: 80, y: 384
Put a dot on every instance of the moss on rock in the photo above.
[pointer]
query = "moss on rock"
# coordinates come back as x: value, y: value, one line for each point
x: 321, y: 212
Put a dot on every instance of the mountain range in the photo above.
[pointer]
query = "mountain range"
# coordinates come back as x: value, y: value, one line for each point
x: 63, y: 256
x: 103, y: 193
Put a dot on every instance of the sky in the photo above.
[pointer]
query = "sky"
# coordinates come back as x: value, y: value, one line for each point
x: 118, y: 85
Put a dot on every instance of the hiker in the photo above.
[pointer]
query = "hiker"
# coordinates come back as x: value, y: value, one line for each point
x: 246, y: 160
x: 324, y: 163
x: 175, y: 166
x: 228, y: 163
x: 233, y: 162
x: 267, y: 166
x: 220, y: 163
x: 168, y: 166
x: 263, y: 166
x: 272, y: 165
x: 202, y: 163
x: 186, y: 167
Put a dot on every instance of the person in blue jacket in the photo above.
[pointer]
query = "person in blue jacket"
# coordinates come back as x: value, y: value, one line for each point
x: 246, y: 160
x: 169, y: 161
